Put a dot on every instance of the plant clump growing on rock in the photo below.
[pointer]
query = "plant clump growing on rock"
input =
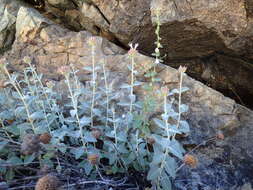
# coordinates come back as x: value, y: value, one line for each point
x: 98, y: 129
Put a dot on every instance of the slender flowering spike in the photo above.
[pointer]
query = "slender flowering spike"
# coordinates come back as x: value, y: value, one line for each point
x: 157, y: 61
x: 64, y: 69
x: 133, y: 49
x: 182, y: 69
x: 92, y: 41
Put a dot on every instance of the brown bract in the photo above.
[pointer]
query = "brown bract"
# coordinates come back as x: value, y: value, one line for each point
x: 190, y: 160
x: 45, y: 138
x: 48, y: 182
x: 151, y: 140
x: 30, y: 144
x: 93, y: 158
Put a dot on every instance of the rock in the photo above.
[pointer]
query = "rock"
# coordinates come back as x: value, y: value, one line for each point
x: 192, y: 33
x: 8, y: 13
x: 224, y: 164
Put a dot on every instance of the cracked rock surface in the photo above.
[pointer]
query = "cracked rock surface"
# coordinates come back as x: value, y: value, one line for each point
x: 223, y: 164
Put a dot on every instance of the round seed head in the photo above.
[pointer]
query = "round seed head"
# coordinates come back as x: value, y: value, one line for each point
x: 93, y: 158
x: 45, y: 138
x: 48, y: 182
x: 190, y: 160
x: 220, y: 136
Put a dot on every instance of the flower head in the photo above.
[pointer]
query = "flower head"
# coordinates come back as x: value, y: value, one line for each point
x: 64, y: 69
x: 190, y: 160
x: 45, y: 138
x: 93, y: 158
x: 133, y: 49
x: 220, y: 136
x: 164, y: 90
x: 27, y: 60
x: 182, y: 69
x: 92, y: 41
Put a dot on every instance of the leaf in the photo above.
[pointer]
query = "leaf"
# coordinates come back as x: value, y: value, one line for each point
x: 166, y: 183
x: 88, y: 68
x: 14, y: 160
x: 29, y: 159
x: 85, y: 121
x: 184, y: 127
x: 78, y: 152
x: 176, y: 149
x: 125, y: 86
x: 137, y: 83
x: 88, y: 137
x: 153, y: 172
x: 88, y: 168
x: 170, y: 166
x: 73, y: 113
x: 123, y: 104
x: 184, y: 108
x: 2, y: 144
x: 19, y: 110
x: 157, y: 159
x: 159, y: 123
x: 13, y: 129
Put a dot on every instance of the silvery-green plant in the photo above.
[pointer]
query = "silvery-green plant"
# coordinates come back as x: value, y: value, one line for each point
x: 93, y: 106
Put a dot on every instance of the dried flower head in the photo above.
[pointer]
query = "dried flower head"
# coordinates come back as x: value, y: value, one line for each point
x: 45, y: 138
x: 50, y: 84
x: 30, y: 144
x: 96, y: 133
x: 93, y: 158
x: 182, y: 69
x: 92, y: 41
x: 220, y: 136
x: 27, y: 60
x: 164, y: 90
x: 151, y: 140
x: 64, y: 70
x: 133, y: 49
x: 190, y: 160
x: 48, y: 182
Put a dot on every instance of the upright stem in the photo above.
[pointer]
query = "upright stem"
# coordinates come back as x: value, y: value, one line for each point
x: 93, y: 85
x: 132, y: 84
x: 74, y: 102
x: 107, y: 95
x: 179, y: 99
x: 13, y: 82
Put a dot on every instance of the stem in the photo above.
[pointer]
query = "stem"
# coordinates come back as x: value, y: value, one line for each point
x: 13, y: 82
x: 107, y: 95
x: 132, y: 83
x: 179, y: 99
x: 74, y: 102
x: 93, y: 84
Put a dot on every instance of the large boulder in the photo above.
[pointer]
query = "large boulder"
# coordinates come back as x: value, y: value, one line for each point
x: 8, y: 13
x: 213, y: 38
x: 223, y: 164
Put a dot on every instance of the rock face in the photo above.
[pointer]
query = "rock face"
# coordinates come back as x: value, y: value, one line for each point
x: 194, y: 33
x: 8, y: 13
x: 223, y: 164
